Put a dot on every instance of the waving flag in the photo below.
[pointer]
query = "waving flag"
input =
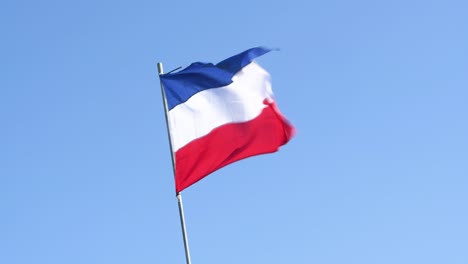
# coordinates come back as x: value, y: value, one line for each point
x: 219, y: 114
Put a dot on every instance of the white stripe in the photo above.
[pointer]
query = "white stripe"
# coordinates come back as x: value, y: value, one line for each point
x: 240, y: 101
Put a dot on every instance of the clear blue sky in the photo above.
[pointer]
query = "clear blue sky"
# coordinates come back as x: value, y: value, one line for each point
x: 378, y: 172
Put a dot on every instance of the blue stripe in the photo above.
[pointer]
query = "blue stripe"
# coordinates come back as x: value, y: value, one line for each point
x: 182, y: 85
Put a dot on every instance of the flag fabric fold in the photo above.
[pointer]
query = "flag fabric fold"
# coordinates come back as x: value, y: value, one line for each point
x: 219, y: 114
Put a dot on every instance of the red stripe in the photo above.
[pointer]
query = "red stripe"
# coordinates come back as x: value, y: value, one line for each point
x: 229, y: 143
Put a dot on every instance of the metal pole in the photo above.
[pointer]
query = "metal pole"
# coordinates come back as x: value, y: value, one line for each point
x: 184, y: 231
x: 179, y: 196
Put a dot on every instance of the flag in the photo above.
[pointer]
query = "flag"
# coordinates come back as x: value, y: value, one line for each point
x: 219, y: 114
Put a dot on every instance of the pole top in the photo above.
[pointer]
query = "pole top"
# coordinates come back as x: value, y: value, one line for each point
x: 160, y: 68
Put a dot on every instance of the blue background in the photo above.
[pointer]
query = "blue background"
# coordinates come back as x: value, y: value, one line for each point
x: 378, y: 172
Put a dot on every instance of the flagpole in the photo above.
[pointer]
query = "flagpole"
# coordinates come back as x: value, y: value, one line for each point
x: 179, y: 196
